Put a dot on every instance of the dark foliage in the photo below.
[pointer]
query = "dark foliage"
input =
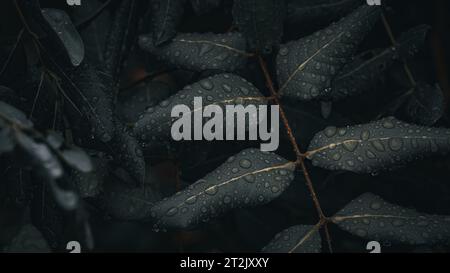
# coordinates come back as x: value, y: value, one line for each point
x: 86, y: 154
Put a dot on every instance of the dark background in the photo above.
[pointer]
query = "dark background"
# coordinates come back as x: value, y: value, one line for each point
x: 423, y: 185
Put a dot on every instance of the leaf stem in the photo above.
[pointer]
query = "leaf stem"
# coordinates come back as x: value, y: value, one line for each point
x: 394, y: 43
x: 300, y: 158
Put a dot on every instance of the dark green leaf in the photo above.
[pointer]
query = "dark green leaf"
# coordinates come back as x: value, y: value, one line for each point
x: 248, y: 179
x: 13, y: 114
x: 198, y: 52
x: 296, y: 239
x: 155, y: 124
x: 95, y: 34
x: 367, y: 68
x: 90, y: 184
x: 371, y: 217
x: 40, y: 156
x: 204, y: 6
x: 380, y: 145
x: 425, y: 105
x: 67, y: 34
x: 125, y: 203
x: 66, y: 199
x: 141, y: 98
x: 119, y: 36
x: 55, y: 140
x: 166, y: 15
x: 77, y: 159
x: 306, y: 12
x: 261, y: 22
x: 29, y: 240
x: 128, y: 153
x: 306, y: 67
x: 89, y: 101
x: 6, y: 141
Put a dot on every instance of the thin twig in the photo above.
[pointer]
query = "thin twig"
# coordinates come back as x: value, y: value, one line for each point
x: 298, y: 153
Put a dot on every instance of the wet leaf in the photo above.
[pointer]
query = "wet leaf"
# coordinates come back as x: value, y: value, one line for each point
x: 67, y: 34
x: 28, y: 240
x: 204, y: 6
x: 371, y: 217
x: 89, y: 101
x: 141, y: 98
x: 248, y: 179
x: 55, y: 140
x: 380, y: 145
x: 128, y: 153
x: 301, y: 12
x: 6, y: 141
x: 77, y: 159
x: 119, y: 36
x: 307, y: 66
x: 223, y: 89
x: 198, y: 52
x: 125, y: 203
x: 40, y: 157
x: 426, y: 104
x: 90, y: 184
x: 13, y: 114
x: 261, y: 22
x: 296, y: 239
x: 367, y: 68
x: 66, y: 199
x: 166, y: 15
x: 95, y: 34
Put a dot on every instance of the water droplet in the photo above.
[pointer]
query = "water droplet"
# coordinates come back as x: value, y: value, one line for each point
x: 250, y: 178
x: 330, y: 131
x: 350, y: 145
x: 227, y: 199
x: 212, y: 190
x: 172, y: 211
x: 336, y: 156
x: 365, y: 135
x: 361, y: 232
x: 191, y: 200
x: 245, y: 163
x: 378, y: 145
x: 388, y: 124
x: 395, y: 144
x: 207, y: 84
x: 375, y: 205
x: 227, y: 88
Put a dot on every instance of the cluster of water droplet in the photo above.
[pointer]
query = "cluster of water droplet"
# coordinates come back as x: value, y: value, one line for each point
x: 250, y: 178
x: 382, y: 221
